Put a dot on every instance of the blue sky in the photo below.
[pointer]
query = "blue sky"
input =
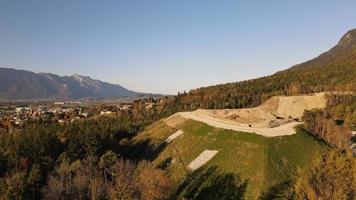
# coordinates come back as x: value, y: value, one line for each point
x: 168, y: 46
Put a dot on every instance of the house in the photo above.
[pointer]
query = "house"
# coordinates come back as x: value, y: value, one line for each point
x: 149, y: 105
x: 353, y: 149
x: 21, y: 109
x: 84, y: 114
x: 74, y: 119
x: 353, y: 146
x: 73, y: 102
x: 105, y: 112
x: 126, y: 107
x: 353, y: 133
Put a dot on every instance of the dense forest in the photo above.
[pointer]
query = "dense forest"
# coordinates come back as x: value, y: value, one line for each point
x: 80, y: 160
x: 335, y: 123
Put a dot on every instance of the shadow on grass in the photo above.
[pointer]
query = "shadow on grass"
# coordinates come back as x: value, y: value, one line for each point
x: 143, y: 150
x: 211, y: 184
x: 301, y: 129
x: 280, y: 191
x: 165, y: 163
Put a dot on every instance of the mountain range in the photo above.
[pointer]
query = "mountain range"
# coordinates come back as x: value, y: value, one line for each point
x: 26, y: 85
x: 332, y: 70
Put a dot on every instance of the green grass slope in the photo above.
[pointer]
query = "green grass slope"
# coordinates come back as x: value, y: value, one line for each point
x: 259, y: 163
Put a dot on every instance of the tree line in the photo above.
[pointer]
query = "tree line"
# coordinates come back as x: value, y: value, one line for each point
x: 79, y: 160
x: 334, y: 123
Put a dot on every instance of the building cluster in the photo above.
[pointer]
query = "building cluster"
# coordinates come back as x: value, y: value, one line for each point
x: 353, y: 142
x: 13, y: 117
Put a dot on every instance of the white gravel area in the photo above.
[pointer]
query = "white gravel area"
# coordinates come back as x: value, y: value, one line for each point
x: 203, y: 158
x: 285, y: 129
x: 174, y: 136
x: 278, y: 116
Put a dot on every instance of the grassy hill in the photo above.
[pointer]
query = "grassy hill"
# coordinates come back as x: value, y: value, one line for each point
x: 249, y: 163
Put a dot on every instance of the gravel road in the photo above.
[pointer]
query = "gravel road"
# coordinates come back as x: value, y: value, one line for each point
x: 285, y: 129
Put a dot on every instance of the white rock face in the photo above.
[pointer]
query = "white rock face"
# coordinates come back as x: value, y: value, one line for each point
x: 203, y: 158
x: 174, y: 136
x: 86, y: 82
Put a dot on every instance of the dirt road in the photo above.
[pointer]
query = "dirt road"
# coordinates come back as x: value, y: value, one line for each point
x: 275, y: 117
x: 285, y: 129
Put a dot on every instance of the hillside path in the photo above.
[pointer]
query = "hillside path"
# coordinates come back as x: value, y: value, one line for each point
x: 285, y: 129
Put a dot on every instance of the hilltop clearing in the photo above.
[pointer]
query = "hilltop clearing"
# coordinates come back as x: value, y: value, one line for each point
x: 276, y: 117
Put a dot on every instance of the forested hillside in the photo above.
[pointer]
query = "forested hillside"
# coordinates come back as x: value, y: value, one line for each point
x: 335, y: 123
x: 80, y: 160
x: 332, y: 70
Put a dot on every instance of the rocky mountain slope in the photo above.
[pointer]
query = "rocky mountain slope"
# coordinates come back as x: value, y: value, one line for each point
x: 26, y: 85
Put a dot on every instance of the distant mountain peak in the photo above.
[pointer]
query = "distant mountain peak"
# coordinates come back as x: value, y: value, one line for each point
x: 349, y: 39
x: 26, y: 85
x: 79, y: 76
x: 86, y: 81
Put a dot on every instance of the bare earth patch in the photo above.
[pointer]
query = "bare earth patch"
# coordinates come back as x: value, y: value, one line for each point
x: 174, y: 121
x: 203, y: 158
x: 285, y: 129
x: 174, y: 136
x: 276, y: 117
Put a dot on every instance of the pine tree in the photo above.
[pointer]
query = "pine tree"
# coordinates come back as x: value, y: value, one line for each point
x: 333, y: 177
